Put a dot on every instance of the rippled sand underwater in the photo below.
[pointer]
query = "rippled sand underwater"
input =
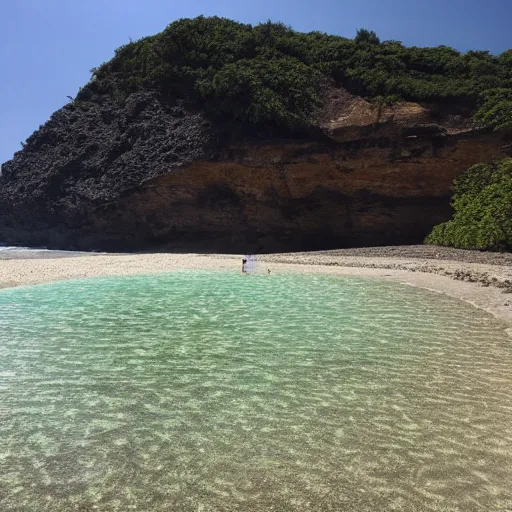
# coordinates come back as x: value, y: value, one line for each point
x: 208, y: 391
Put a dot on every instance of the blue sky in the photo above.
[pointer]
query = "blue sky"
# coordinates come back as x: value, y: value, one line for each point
x: 48, y: 46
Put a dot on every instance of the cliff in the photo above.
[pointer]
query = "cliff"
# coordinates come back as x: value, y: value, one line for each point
x: 153, y: 174
x: 162, y: 171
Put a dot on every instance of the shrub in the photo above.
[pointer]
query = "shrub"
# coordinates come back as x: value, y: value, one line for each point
x: 365, y: 36
x: 482, y: 203
x: 271, y: 74
x: 496, y: 109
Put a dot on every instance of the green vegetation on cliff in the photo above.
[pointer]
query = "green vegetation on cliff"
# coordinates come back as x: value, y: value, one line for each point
x: 270, y: 74
x: 482, y: 200
x: 496, y: 109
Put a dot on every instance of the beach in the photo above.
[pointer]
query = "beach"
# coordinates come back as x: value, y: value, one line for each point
x: 482, y: 279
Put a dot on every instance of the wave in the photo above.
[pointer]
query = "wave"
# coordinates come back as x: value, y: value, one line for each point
x: 14, y: 248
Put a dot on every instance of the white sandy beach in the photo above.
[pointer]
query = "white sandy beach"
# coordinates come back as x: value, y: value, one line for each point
x: 486, y: 286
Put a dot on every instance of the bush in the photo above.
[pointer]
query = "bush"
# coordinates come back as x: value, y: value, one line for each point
x: 365, y: 36
x: 496, y: 109
x: 482, y: 201
x: 271, y: 74
x: 284, y: 91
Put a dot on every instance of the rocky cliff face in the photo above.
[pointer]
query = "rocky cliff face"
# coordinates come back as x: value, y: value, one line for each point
x: 155, y: 174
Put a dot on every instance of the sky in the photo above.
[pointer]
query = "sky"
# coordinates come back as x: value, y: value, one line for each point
x: 47, y: 47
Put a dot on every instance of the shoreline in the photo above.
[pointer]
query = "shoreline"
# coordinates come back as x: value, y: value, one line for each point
x: 487, y: 286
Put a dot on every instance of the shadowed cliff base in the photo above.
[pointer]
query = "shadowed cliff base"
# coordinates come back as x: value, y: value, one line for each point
x: 282, y: 196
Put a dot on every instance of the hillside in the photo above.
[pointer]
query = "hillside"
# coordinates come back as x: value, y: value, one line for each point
x: 272, y: 74
x: 214, y: 135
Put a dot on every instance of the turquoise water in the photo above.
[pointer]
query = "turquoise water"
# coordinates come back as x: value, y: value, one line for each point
x: 207, y: 391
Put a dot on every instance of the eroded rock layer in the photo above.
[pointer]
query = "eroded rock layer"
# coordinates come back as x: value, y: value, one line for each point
x: 155, y: 174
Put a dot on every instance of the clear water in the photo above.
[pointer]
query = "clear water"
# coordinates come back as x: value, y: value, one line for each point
x: 211, y: 392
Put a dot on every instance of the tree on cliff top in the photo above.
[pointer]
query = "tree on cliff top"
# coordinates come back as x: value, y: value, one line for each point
x: 366, y: 36
x: 270, y: 74
x: 482, y: 201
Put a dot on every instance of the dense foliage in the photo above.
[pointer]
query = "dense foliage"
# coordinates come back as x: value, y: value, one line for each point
x: 496, y: 109
x: 270, y: 73
x: 482, y: 202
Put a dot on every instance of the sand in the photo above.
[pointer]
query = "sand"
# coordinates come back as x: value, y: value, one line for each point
x: 482, y: 280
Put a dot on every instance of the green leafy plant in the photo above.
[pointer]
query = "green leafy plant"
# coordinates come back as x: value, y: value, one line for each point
x: 385, y: 101
x: 366, y: 36
x: 482, y: 203
x: 496, y: 109
x: 270, y: 74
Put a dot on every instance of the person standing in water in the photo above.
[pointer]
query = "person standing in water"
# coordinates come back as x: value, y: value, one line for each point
x: 244, y: 263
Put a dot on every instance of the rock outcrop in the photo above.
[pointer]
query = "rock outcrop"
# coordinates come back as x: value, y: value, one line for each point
x: 154, y: 174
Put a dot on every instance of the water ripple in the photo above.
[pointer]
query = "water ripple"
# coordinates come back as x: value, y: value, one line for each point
x: 209, y: 391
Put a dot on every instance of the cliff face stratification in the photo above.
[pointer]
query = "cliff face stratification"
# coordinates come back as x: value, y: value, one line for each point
x: 156, y: 175
x: 155, y: 169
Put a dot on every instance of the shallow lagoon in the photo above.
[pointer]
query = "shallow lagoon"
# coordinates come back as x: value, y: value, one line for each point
x: 216, y: 391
